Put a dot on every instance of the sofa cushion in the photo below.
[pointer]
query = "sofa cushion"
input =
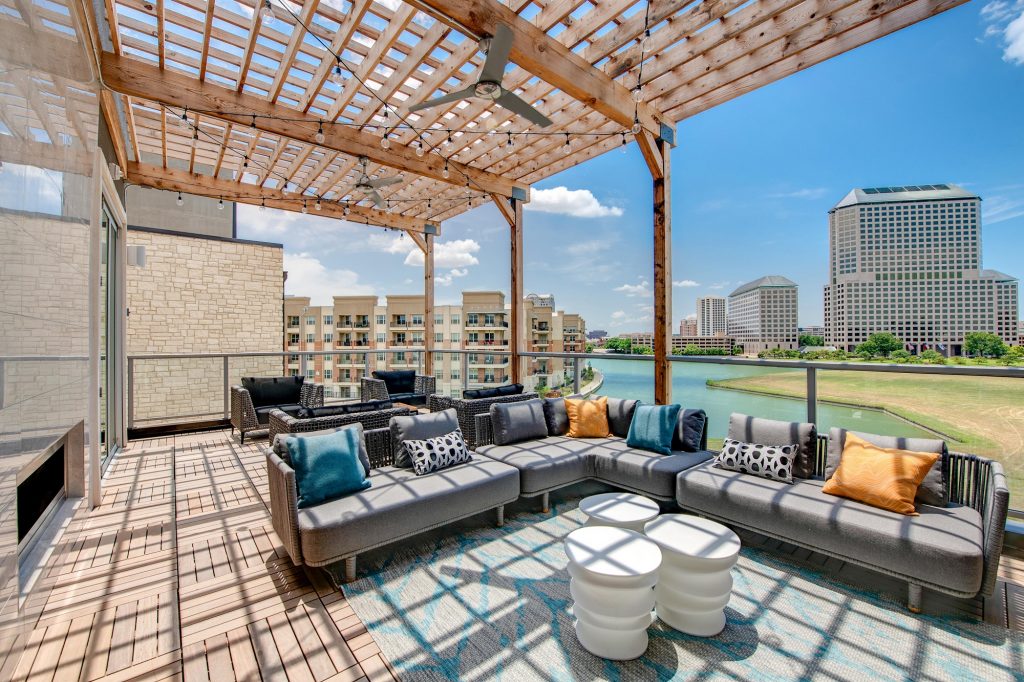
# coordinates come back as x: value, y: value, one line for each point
x: 934, y: 490
x: 409, y: 398
x: 545, y: 464
x: 690, y: 435
x: 587, y: 418
x: 772, y: 432
x: 263, y: 413
x: 882, y: 477
x: 556, y: 416
x: 397, y: 380
x: 419, y: 427
x: 348, y: 408
x: 510, y: 389
x: 652, y: 427
x: 434, y: 454
x: 478, y: 393
x: 767, y: 461
x: 518, y: 421
x: 327, y: 466
x: 616, y: 463
x: 273, y: 390
x: 398, y: 504
x: 620, y: 415
x: 942, y: 546
x: 281, y: 450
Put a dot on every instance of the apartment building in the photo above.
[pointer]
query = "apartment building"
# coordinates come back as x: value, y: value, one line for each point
x: 813, y: 330
x: 711, y: 316
x: 907, y: 260
x: 688, y: 326
x: 763, y: 314
x: 681, y: 341
x: 479, y: 329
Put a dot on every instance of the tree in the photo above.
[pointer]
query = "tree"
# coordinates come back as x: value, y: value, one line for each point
x: 618, y: 345
x: 900, y: 355
x: 984, y: 345
x: 933, y: 357
x: 809, y: 340
x: 643, y: 350
x: 880, y: 344
x: 589, y: 348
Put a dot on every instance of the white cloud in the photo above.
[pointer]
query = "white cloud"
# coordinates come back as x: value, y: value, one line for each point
x: 307, y: 276
x: 454, y: 254
x: 1006, y: 20
x: 1000, y: 207
x: 447, y: 279
x: 685, y: 283
x: 578, y: 203
x: 805, y: 193
x: 619, y: 315
x: 718, y: 285
x: 633, y: 290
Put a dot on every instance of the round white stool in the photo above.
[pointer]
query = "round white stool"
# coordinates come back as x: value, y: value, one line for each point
x: 694, y: 583
x: 612, y: 571
x: 619, y: 510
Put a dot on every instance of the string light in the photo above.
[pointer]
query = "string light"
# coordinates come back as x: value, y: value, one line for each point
x: 220, y: 204
x: 245, y: 161
x: 448, y: 142
x: 444, y: 173
x: 267, y: 11
x: 645, y: 44
x: 253, y: 124
x: 317, y: 204
x: 320, y: 132
x: 508, y: 144
x: 567, y: 148
x: 304, y: 209
x: 179, y: 201
x: 420, y: 151
x: 263, y: 204
x: 338, y: 76
x: 183, y: 121
x: 385, y: 143
x: 195, y: 139
x: 638, y: 93
x: 344, y: 209
x: 636, y: 125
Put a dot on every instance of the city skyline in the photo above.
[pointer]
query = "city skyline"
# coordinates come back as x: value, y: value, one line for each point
x: 588, y: 233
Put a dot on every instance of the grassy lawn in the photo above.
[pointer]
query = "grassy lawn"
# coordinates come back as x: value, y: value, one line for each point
x: 982, y: 415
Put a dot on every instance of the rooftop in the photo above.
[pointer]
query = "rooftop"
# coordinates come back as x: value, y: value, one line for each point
x: 890, y: 195
x: 768, y: 281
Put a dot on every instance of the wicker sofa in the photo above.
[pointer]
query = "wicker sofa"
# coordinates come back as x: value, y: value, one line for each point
x: 377, y: 418
x: 469, y: 409
x: 953, y: 548
x: 250, y: 410
x: 376, y: 388
x: 399, y: 504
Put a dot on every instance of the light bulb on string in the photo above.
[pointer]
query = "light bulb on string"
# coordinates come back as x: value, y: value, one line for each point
x: 445, y: 173
x: 179, y: 201
x: 337, y: 75
x: 263, y: 204
x: 508, y: 143
x: 636, y: 126
x: 344, y: 209
x: 320, y: 132
x: 645, y: 44
x: 304, y: 209
x: 638, y: 93
x: 195, y: 139
x: 253, y: 124
x: 385, y: 143
x: 183, y: 121
x: 220, y: 204
x: 317, y: 204
x: 267, y: 11
x: 420, y: 151
x: 567, y: 148
x: 245, y: 161
x: 448, y: 142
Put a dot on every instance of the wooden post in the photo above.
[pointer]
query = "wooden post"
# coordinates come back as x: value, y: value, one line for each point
x: 662, y: 274
x: 428, y: 305
x: 518, y: 341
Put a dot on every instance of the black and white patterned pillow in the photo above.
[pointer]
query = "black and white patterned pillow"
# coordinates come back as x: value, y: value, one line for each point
x: 767, y: 461
x: 434, y: 454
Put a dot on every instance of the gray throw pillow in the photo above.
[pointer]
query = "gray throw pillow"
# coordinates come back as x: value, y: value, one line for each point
x: 556, y: 416
x: 933, y: 491
x: 516, y: 422
x: 620, y: 415
x: 419, y: 427
x: 689, y: 435
x: 749, y: 429
x: 281, y: 450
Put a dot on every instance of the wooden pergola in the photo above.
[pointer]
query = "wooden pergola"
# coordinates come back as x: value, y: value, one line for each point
x: 218, y: 99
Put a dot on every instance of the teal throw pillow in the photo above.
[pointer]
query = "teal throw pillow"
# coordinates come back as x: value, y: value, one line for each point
x: 326, y: 467
x: 652, y: 428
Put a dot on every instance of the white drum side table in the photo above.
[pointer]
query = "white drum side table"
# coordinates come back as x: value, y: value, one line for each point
x: 612, y: 571
x: 619, y: 510
x: 694, y: 584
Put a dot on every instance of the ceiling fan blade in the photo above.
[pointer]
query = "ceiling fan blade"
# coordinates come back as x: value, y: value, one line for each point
x: 518, y: 105
x: 497, y: 55
x: 377, y: 200
x: 444, y: 99
x: 384, y: 182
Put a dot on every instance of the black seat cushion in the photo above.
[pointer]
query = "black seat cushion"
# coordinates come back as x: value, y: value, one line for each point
x: 510, y: 389
x: 349, y: 408
x: 409, y: 398
x: 398, y: 380
x: 263, y: 413
x: 477, y: 393
x: 273, y: 390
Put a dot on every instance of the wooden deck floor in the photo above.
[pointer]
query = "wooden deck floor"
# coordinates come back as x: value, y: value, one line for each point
x: 178, y: 574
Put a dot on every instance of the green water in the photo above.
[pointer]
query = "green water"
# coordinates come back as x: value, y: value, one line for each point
x: 635, y: 379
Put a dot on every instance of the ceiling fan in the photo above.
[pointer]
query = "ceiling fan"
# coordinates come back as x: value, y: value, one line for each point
x: 369, y: 186
x: 488, y: 84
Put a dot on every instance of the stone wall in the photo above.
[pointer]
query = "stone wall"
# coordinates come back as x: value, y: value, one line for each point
x: 200, y: 295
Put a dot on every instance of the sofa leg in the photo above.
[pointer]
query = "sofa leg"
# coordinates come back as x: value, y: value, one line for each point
x: 350, y: 569
x: 545, y: 502
x: 914, y: 598
x: 501, y: 515
x: 241, y: 435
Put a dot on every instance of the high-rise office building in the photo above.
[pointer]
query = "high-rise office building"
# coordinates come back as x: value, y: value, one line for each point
x: 762, y: 314
x: 907, y: 260
x: 711, y: 316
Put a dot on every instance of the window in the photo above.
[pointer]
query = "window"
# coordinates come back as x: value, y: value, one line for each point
x: 327, y: 359
x: 380, y: 319
x: 417, y: 320
x: 293, y: 320
x: 293, y: 339
x: 472, y: 319
x: 455, y: 337
x: 327, y: 374
x: 310, y: 374
x: 328, y: 337
x: 310, y: 337
x: 381, y: 337
x: 455, y: 319
x: 438, y: 319
x: 328, y: 320
x: 311, y: 321
x: 438, y: 337
x: 293, y: 372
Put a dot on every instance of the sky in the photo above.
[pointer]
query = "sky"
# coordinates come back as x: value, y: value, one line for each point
x: 752, y: 182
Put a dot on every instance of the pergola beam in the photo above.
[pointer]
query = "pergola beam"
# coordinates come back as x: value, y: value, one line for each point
x: 146, y: 81
x: 203, y: 185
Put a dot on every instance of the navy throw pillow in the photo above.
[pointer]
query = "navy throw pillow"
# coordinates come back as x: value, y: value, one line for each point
x: 326, y: 467
x: 652, y: 428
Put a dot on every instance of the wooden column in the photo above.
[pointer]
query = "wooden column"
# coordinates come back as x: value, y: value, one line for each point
x: 658, y: 164
x: 518, y: 341
x: 428, y: 305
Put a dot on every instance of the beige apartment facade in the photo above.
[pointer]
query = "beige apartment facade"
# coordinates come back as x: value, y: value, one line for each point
x: 688, y: 326
x: 762, y: 315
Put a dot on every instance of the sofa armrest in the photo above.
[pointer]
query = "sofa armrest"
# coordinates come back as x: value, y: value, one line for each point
x: 372, y: 389
x: 484, y: 434
x: 311, y: 395
x: 243, y: 413
x: 996, y: 495
x: 379, y: 447
x: 437, y: 402
x: 424, y: 384
x: 284, y: 511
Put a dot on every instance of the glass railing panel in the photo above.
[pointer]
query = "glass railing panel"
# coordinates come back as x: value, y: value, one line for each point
x: 177, y: 390
x: 622, y: 376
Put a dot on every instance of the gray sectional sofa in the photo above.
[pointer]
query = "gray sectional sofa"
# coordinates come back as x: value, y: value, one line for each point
x: 953, y: 546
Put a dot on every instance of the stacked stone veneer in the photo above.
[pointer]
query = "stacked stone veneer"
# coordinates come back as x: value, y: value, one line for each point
x: 200, y: 295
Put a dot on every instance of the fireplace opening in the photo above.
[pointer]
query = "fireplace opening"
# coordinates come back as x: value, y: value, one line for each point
x: 39, y: 490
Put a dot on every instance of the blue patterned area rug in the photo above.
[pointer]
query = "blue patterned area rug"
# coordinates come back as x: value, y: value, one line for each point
x: 473, y: 602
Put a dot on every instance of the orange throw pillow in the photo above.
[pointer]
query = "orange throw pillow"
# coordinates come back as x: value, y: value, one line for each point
x: 882, y: 477
x: 587, y: 418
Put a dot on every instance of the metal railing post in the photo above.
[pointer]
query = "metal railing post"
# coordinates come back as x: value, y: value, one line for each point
x: 812, y: 395
x: 464, y: 369
x: 303, y: 364
x: 366, y: 363
x: 576, y: 372
x: 131, y: 393
x: 227, y: 387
